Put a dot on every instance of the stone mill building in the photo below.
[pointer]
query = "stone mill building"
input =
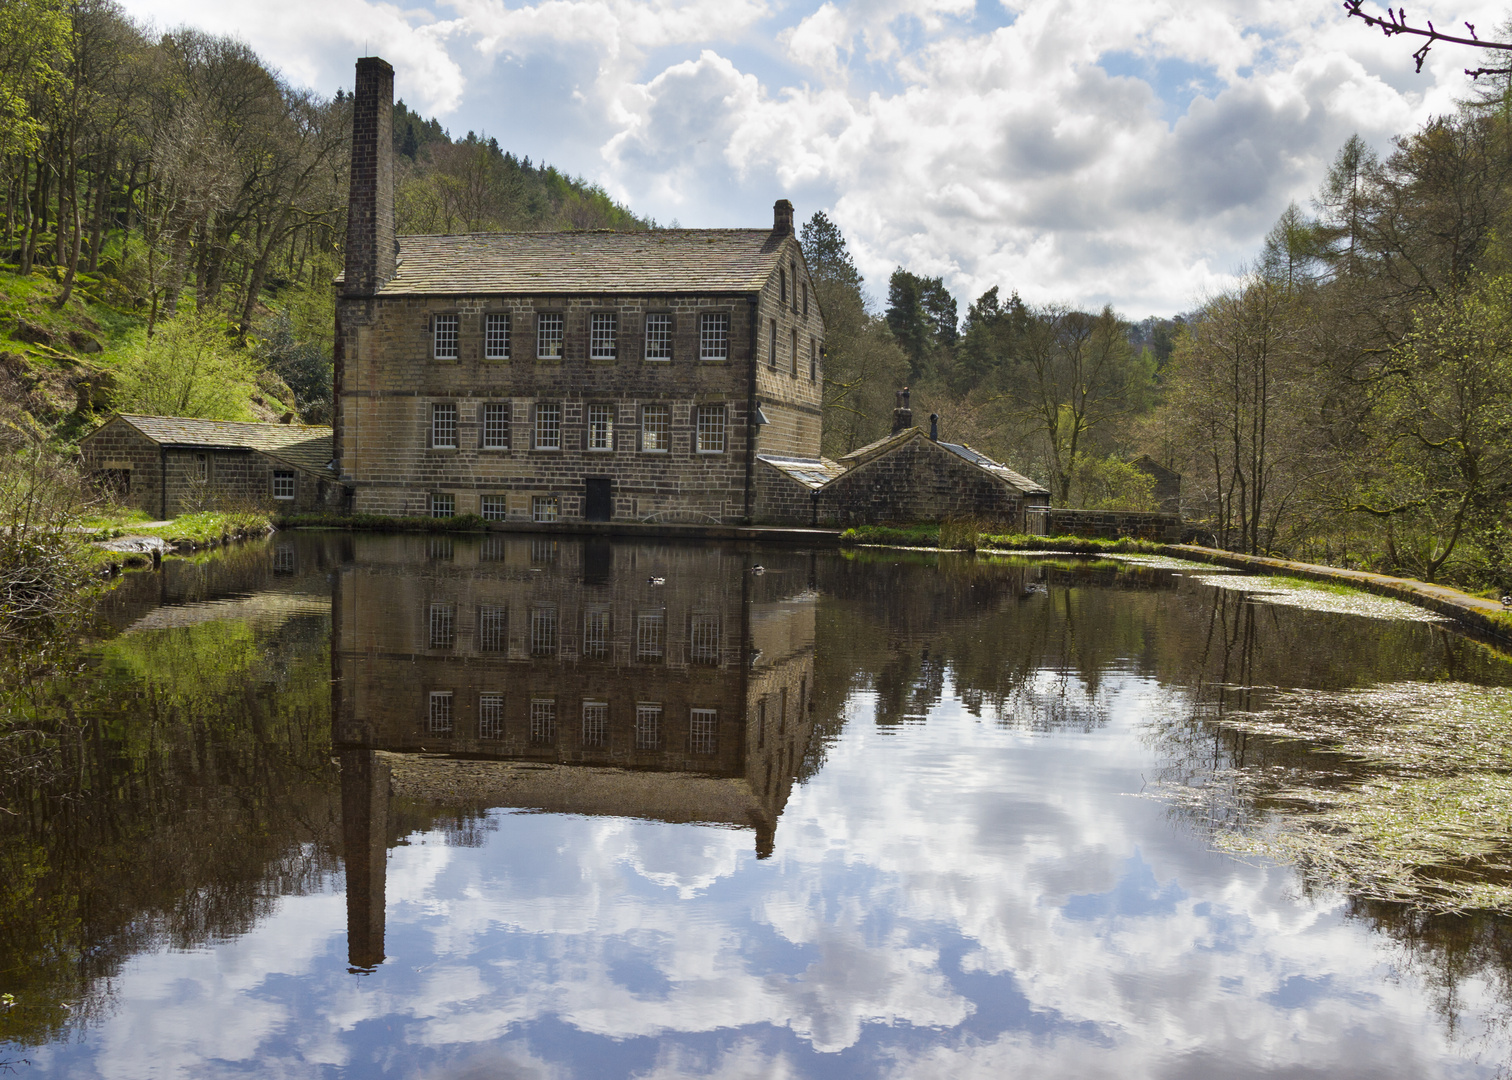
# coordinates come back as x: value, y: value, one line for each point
x: 568, y: 376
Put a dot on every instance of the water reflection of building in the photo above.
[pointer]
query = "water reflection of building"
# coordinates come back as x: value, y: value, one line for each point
x: 654, y: 681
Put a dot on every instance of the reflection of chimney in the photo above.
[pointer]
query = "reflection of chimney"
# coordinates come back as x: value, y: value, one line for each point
x: 370, y: 214
x: 934, y: 427
x: 782, y: 218
x: 766, y: 839
x: 364, y: 832
x: 902, y: 415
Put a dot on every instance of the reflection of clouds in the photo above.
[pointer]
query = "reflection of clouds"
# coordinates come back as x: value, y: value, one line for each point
x: 947, y: 899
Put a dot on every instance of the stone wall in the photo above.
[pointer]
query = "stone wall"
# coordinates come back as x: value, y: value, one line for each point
x: 780, y: 500
x: 919, y: 481
x: 197, y: 478
x: 1112, y: 524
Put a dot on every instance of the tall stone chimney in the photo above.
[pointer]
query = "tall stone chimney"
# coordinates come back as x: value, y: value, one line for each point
x: 782, y: 218
x: 902, y: 415
x: 370, y: 246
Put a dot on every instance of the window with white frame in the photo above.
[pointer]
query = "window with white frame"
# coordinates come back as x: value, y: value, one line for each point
x: 603, y: 336
x: 595, y: 723
x: 544, y: 508
x: 496, y: 425
x: 496, y: 336
x: 656, y: 428
x: 548, y: 335
x: 658, y: 336
x: 703, y: 730
x: 714, y: 337
x: 544, y: 552
x: 548, y: 425
x: 596, y: 634
x: 648, y: 726
x: 493, y: 507
x: 490, y: 716
x: 703, y: 639
x: 543, y: 720
x: 543, y: 630
x: 441, y: 549
x: 444, y: 425
x: 283, y: 483
x: 493, y: 626
x: 443, y: 506
x: 711, y: 429
x: 443, y: 626
x: 650, y: 636
x: 601, y: 427
x: 438, y: 719
x: 202, y: 467
x: 444, y: 337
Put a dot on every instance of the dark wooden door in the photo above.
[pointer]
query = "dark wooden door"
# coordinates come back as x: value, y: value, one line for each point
x: 599, y: 502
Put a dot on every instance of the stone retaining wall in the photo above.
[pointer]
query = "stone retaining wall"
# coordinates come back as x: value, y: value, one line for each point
x: 1113, y: 524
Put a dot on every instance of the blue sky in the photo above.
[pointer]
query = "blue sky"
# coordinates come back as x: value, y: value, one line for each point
x: 1079, y: 152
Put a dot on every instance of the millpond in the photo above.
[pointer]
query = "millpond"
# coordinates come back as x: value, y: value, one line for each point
x: 338, y: 805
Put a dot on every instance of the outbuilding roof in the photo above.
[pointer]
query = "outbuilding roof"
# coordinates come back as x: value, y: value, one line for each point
x: 305, y: 446
x: 812, y: 473
x: 887, y: 443
x: 588, y: 261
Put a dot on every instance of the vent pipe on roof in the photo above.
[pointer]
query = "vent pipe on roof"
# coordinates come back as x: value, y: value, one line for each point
x: 371, y: 245
x: 782, y: 218
x: 934, y: 427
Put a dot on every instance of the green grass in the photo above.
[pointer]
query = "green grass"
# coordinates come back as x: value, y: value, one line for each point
x: 926, y: 535
x: 207, y: 527
x: 1081, y: 545
x: 462, y: 523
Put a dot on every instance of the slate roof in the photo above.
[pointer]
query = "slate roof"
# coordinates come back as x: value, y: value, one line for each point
x: 589, y: 261
x: 812, y: 473
x: 861, y: 455
x: 305, y: 446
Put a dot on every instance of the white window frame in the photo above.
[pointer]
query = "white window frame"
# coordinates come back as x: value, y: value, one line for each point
x: 549, y: 333
x: 545, y: 636
x: 443, y: 505
x: 548, y: 423
x: 284, y: 483
x: 600, y: 427
x: 595, y: 723
x: 202, y: 467
x: 656, y: 427
x: 603, y: 335
x: 659, y: 337
x: 444, y: 425
x: 710, y: 430
x: 648, y: 716
x: 496, y: 425
x: 545, y: 508
x: 496, y: 335
x: 597, y: 628
x: 703, y: 731
x: 703, y: 638
x: 494, y: 507
x: 443, y: 626
x: 439, y: 718
x: 543, y: 721
x: 714, y: 336
x: 650, y: 637
x: 490, y: 715
x: 444, y: 337
x: 493, y: 628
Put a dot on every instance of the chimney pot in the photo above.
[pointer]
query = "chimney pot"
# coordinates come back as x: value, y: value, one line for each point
x: 934, y: 427
x: 782, y: 218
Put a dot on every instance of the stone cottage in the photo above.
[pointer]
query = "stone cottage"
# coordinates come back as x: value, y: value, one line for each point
x: 170, y: 465
x: 905, y: 477
x: 572, y: 376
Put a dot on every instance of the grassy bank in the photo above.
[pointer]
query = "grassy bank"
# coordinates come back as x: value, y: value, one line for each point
x: 966, y: 537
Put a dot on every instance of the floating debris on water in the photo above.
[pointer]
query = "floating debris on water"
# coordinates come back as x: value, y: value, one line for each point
x: 1314, y: 596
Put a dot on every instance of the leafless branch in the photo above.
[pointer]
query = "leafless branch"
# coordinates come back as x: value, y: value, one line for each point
x: 1395, y: 22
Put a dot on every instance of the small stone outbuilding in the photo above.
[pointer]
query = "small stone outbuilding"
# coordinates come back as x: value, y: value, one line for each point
x: 170, y: 465
x: 1167, y: 488
x: 904, y: 478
